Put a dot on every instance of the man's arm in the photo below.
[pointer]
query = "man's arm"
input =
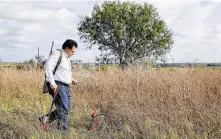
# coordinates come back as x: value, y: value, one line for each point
x: 50, y: 66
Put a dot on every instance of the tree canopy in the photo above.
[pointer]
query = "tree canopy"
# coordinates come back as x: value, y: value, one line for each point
x: 126, y: 31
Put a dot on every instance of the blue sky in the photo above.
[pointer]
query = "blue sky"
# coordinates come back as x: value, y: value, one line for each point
x: 24, y: 26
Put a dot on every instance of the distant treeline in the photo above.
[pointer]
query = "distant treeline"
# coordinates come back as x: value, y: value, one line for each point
x: 185, y: 65
x: 157, y: 65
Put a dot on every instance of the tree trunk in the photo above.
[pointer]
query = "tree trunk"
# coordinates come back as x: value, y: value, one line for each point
x: 123, y: 64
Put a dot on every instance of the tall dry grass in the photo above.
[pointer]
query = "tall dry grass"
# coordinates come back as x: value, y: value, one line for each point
x: 142, y: 103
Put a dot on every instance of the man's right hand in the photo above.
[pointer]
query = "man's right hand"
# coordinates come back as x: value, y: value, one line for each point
x: 54, y: 88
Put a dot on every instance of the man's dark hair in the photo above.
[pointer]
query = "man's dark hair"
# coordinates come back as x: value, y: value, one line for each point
x: 69, y: 43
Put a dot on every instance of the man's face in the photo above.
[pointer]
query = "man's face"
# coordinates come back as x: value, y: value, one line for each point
x: 70, y: 52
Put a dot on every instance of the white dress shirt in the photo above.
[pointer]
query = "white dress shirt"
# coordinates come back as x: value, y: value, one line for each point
x: 64, y: 70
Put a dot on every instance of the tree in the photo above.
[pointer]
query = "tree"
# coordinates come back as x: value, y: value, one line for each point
x: 78, y: 62
x: 106, y: 58
x: 127, y: 30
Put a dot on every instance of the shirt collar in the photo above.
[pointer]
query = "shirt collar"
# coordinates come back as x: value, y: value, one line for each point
x: 66, y: 55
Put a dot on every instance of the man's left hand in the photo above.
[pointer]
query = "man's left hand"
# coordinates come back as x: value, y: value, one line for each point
x: 74, y: 82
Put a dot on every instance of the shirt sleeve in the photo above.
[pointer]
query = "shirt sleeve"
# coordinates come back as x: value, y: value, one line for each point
x: 50, y: 66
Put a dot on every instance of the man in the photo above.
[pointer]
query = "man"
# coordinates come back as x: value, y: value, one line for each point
x: 60, y: 83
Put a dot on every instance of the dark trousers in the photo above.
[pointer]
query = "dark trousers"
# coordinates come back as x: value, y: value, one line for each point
x: 63, y: 105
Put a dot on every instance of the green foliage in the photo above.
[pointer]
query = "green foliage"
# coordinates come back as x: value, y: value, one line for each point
x: 36, y: 62
x: 127, y: 31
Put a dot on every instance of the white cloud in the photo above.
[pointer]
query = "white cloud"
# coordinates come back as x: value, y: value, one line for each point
x: 26, y: 25
x: 194, y: 31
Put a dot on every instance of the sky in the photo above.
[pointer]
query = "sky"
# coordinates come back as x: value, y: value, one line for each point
x: 27, y: 25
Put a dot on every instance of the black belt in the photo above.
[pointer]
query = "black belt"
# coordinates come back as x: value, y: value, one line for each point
x: 61, y: 83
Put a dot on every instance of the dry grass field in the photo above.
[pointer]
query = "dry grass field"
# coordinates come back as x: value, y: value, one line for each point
x: 142, y: 103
